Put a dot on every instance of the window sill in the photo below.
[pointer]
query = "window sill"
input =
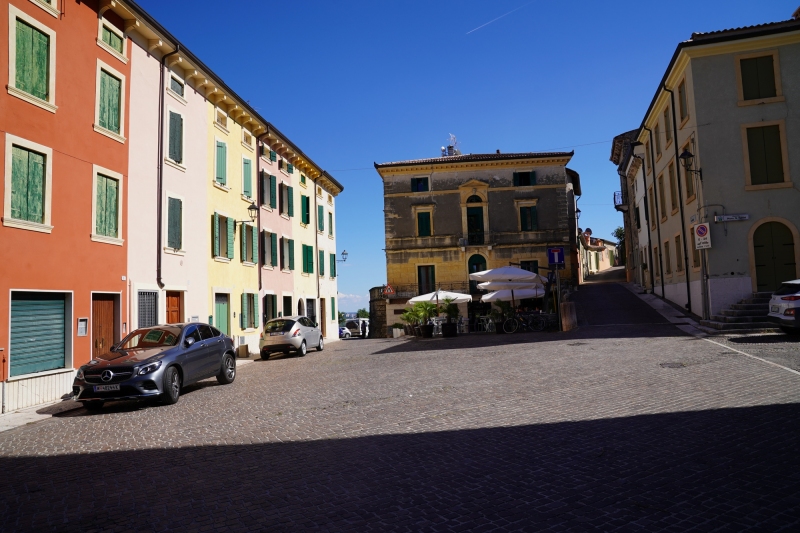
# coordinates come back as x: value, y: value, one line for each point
x: 305, y: 274
x: 44, y: 373
x: 330, y: 237
x: 247, y: 146
x: 303, y: 185
x: 219, y: 259
x: 111, y: 51
x: 24, y: 224
x: 767, y: 186
x: 669, y: 143
x: 110, y: 134
x: 663, y: 219
x: 267, y: 208
x: 248, y: 199
x: 674, y: 211
x: 683, y: 122
x: 286, y: 270
x: 284, y: 172
x: 47, y: 7
x: 220, y: 186
x: 284, y: 215
x: 38, y: 102
x: 173, y: 164
x: 221, y: 128
x: 320, y: 232
x: 759, y: 101
x: 267, y: 267
x: 303, y: 225
x: 248, y: 264
x: 691, y: 199
x: 658, y: 156
x: 173, y: 251
x: 265, y: 158
x: 107, y: 240
x: 250, y: 330
x: 176, y: 96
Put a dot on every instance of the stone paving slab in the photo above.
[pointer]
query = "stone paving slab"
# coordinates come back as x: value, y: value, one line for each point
x: 585, y: 430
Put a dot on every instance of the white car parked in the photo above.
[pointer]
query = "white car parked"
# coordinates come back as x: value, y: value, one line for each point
x: 784, y: 307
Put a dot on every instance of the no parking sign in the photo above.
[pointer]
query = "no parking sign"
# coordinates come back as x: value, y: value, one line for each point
x: 702, y: 236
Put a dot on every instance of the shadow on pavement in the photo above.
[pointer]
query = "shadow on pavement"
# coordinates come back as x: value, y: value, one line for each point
x: 703, y: 470
x: 766, y: 339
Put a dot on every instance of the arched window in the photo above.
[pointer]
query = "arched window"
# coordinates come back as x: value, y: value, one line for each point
x: 474, y: 199
x: 300, y: 307
x: 476, y: 263
x: 773, y: 250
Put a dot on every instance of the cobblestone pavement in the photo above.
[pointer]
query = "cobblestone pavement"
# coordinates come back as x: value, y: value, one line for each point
x: 779, y: 348
x: 577, y: 431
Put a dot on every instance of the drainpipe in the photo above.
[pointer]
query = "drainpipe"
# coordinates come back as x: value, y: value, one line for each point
x: 680, y: 198
x: 647, y: 220
x: 160, y: 185
x: 658, y: 218
x: 316, y: 247
x: 259, y: 199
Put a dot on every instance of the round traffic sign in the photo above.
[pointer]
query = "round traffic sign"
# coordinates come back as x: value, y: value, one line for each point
x: 701, y: 230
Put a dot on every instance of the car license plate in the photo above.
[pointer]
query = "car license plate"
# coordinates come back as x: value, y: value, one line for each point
x: 275, y: 334
x: 775, y: 308
x: 105, y: 388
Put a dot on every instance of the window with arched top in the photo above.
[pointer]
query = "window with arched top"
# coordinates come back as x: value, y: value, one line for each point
x: 476, y: 263
x: 474, y: 199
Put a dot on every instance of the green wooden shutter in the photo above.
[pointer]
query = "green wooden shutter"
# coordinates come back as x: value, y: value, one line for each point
x: 243, y: 230
x: 310, y: 259
x: 231, y: 235
x: 112, y: 39
x: 32, y: 61
x: 424, y: 224
x: 534, y: 216
x: 305, y: 259
x: 273, y: 156
x: 254, y: 254
x: 215, y: 235
x: 175, y: 137
x: 320, y: 218
x: 533, y: 177
x: 174, y: 223
x: 290, y: 196
x: 413, y: 184
x: 333, y: 309
x: 112, y: 202
x: 290, y: 168
x: 262, y: 188
x: 256, y: 314
x: 766, y: 77
x: 524, y: 221
x: 243, y: 313
x: 274, y: 249
x: 110, y: 93
x: 291, y: 254
x: 100, y: 206
x: 247, y: 179
x: 222, y: 165
x: 333, y: 265
x: 321, y: 263
x: 516, y: 179
x: 273, y: 192
x: 176, y: 86
x: 27, y: 185
x: 304, y: 215
x: 330, y: 224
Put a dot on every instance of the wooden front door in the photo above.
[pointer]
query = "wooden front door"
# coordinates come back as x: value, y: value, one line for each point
x: 323, y: 323
x: 221, y: 313
x: 103, y: 334
x: 174, y: 307
x: 773, y: 249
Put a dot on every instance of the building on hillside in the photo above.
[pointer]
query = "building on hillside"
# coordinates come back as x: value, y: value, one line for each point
x: 597, y: 255
x: 448, y: 216
x: 64, y: 121
x: 718, y: 145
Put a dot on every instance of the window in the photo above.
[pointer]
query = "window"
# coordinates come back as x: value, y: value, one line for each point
x: 282, y: 165
x: 667, y: 128
x: 765, y: 154
x: 528, y: 218
x: 287, y: 200
x: 221, y: 119
x: 174, y: 223
x: 249, y: 243
x: 110, y: 106
x: 637, y: 218
x: 321, y: 263
x: 223, y: 237
x: 32, y: 60
x: 269, y: 245
x: 247, y: 139
x: 175, y: 137
x: 333, y: 310
x: 424, y: 228
x: 683, y: 106
x: 320, y: 219
x: 308, y: 259
x: 695, y: 251
x: 667, y: 259
x: 653, y: 211
x: 176, y: 86
x: 148, y: 309
x: 247, y: 178
x: 48, y: 5
x: 657, y: 135
x: 758, y: 77
x: 305, y: 209
x: 330, y: 224
x: 106, y: 206
x: 648, y: 156
x: 319, y: 192
x: 302, y: 179
x: 270, y: 307
x: 419, y: 185
x: 28, y: 185
x: 524, y: 179
x: 530, y: 266
x: 657, y: 261
x: 221, y: 163
x: 248, y: 318
x: 673, y: 187
x: 269, y: 190
x: 688, y: 180
x: 678, y: 254
x: 333, y: 265
x: 426, y: 279
x: 662, y: 199
x: 289, y: 168
x: 287, y: 254
x: 273, y: 156
x: 287, y: 305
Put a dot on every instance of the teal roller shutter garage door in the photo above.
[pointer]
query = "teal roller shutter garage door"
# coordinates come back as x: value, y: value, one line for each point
x: 37, y: 332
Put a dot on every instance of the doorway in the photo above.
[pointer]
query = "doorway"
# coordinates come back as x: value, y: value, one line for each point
x: 174, y: 313
x: 301, y: 308
x: 221, y: 310
x: 476, y: 263
x: 103, y: 323
x: 323, y: 326
x: 773, y: 251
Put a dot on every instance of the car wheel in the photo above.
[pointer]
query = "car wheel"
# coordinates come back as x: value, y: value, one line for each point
x: 228, y: 371
x: 346, y: 335
x: 264, y: 356
x: 172, y: 386
x: 94, y: 405
x: 321, y: 344
x: 302, y: 350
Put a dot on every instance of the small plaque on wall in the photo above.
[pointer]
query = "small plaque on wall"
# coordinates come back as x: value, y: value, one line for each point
x: 83, y: 327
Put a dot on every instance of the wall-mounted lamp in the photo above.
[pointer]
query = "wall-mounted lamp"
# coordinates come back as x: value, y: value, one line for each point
x: 687, y: 158
x: 252, y: 211
x: 344, y: 257
x: 577, y: 214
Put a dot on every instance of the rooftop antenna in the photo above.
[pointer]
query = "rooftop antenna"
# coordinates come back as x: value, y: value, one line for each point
x: 452, y: 147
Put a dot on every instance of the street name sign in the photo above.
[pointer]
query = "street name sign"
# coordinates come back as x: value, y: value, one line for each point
x: 702, y: 236
x: 731, y: 218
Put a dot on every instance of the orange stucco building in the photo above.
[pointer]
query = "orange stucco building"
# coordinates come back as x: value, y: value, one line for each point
x: 63, y: 121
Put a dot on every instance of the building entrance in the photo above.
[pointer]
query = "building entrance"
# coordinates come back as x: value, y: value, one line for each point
x: 773, y: 251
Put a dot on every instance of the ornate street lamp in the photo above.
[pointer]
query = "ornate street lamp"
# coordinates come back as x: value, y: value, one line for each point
x: 687, y: 159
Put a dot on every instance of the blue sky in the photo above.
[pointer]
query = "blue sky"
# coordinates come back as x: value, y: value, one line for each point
x: 354, y: 82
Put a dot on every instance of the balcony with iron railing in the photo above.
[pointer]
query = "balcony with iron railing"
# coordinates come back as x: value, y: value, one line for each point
x: 478, y: 239
x: 621, y: 201
x: 409, y: 291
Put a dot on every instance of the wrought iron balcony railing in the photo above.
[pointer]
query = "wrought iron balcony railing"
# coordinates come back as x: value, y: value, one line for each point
x: 409, y: 291
x: 621, y: 201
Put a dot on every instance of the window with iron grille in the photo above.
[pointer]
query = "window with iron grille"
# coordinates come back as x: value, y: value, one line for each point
x: 148, y: 309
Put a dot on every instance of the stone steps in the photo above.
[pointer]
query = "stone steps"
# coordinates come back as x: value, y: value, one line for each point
x: 738, y: 326
x: 751, y: 307
x: 746, y: 316
x: 744, y: 312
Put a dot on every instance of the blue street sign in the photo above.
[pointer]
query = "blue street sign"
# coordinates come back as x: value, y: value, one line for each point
x: 555, y: 256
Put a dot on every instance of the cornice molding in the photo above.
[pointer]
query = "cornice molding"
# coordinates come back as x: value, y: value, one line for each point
x: 473, y: 165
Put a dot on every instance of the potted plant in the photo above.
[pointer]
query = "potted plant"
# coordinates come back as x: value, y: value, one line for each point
x: 425, y: 312
x: 397, y: 330
x: 500, y: 315
x: 410, y: 318
x: 450, y: 328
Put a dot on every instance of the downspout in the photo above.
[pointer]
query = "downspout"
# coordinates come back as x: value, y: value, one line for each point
x: 647, y: 220
x: 260, y: 202
x: 680, y: 198
x: 658, y: 218
x: 160, y: 181
x: 316, y: 247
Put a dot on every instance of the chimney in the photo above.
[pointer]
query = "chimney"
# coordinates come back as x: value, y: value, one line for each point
x: 498, y: 151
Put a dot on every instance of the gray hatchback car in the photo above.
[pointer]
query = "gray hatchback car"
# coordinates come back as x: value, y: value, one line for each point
x: 290, y: 334
x: 154, y: 363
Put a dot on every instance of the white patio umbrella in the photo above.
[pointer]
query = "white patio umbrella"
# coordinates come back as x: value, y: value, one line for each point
x: 506, y: 295
x: 435, y: 296
x: 507, y: 273
x: 508, y: 285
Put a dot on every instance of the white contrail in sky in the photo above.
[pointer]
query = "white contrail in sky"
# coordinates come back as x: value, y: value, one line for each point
x: 498, y: 18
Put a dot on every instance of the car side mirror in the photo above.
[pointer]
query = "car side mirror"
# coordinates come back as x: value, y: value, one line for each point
x: 189, y: 341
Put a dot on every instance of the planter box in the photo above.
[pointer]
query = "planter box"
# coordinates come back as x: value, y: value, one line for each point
x: 397, y: 332
x: 450, y: 330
